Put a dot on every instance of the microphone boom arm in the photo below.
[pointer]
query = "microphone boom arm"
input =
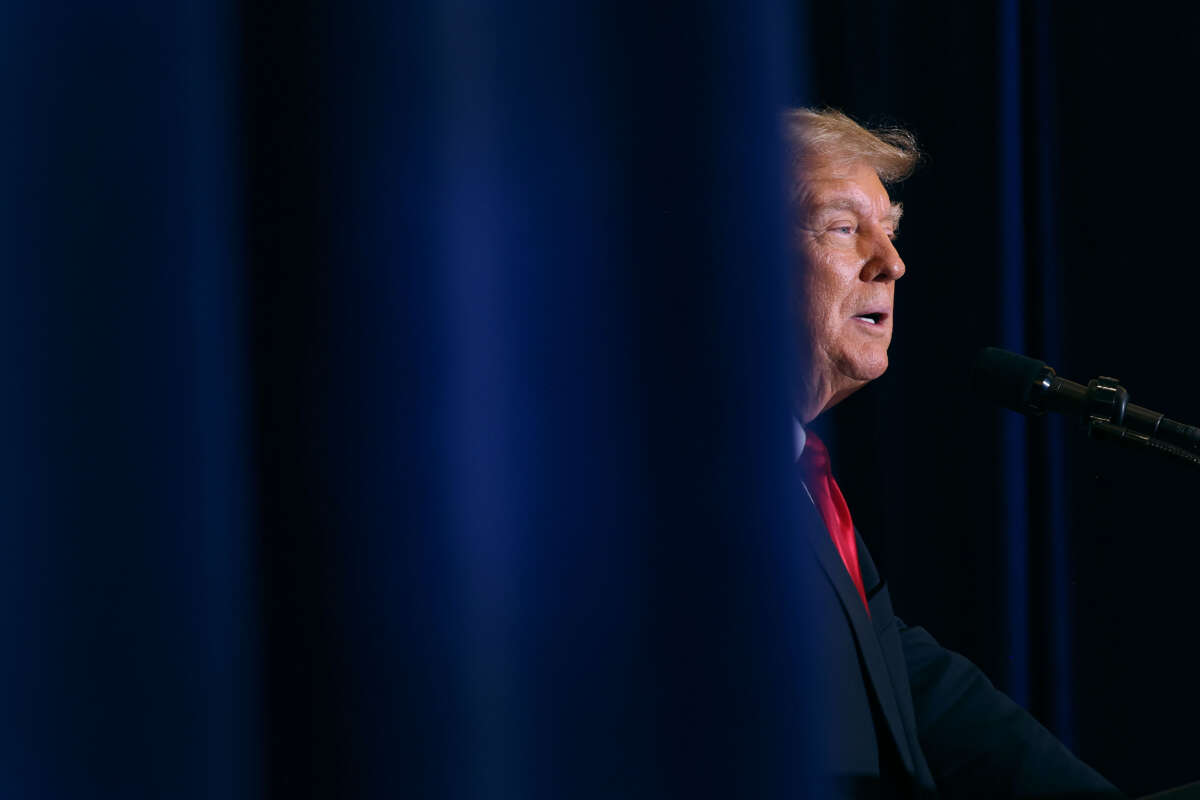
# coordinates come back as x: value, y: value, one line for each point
x: 1029, y: 386
x: 1108, y: 432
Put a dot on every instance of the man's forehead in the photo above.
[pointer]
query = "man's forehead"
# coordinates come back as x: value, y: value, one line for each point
x: 854, y: 187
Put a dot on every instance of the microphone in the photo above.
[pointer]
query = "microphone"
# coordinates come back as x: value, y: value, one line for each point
x: 1028, y: 386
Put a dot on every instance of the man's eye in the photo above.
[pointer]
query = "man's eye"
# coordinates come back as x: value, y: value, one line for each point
x: 843, y: 229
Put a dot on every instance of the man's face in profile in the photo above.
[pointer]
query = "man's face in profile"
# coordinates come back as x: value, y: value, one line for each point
x: 849, y: 266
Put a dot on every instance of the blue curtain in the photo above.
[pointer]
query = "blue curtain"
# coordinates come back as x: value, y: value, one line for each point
x: 1013, y: 312
x: 398, y: 402
x: 129, y: 623
x: 1041, y: 641
x: 1037, y: 529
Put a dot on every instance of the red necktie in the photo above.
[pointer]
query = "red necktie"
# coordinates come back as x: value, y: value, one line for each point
x: 814, y: 462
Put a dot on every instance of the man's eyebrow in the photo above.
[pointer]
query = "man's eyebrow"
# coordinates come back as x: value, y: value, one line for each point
x: 850, y: 204
x: 839, y: 204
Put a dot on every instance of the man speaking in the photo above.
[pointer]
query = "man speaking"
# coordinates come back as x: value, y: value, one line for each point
x: 910, y: 717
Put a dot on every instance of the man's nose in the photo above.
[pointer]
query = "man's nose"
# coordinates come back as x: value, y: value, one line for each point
x: 883, y: 262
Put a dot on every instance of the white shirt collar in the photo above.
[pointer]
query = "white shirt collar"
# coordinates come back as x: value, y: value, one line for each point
x: 799, y: 437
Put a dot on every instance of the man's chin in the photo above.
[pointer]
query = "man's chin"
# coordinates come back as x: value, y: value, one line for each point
x: 841, y: 379
x: 864, y: 369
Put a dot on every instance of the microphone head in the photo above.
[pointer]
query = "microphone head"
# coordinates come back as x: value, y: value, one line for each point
x: 1006, y: 379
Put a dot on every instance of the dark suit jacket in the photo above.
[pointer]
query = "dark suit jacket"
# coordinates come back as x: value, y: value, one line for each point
x: 914, y: 719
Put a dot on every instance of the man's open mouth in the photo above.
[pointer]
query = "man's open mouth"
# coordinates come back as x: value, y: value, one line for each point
x: 873, y: 318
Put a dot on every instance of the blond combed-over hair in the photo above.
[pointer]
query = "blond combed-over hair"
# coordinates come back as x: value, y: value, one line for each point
x: 830, y: 135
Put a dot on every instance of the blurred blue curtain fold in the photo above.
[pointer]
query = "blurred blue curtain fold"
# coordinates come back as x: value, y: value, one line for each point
x: 1013, y: 312
x: 399, y: 402
x: 1036, y: 530
x: 128, y: 616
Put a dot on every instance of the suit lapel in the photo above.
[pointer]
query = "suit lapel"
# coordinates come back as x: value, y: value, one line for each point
x: 860, y: 623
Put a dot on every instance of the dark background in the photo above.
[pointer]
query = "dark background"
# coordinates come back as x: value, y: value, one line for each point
x: 395, y: 397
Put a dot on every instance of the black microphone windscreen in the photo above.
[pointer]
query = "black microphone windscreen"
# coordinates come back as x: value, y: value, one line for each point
x: 1005, y: 378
